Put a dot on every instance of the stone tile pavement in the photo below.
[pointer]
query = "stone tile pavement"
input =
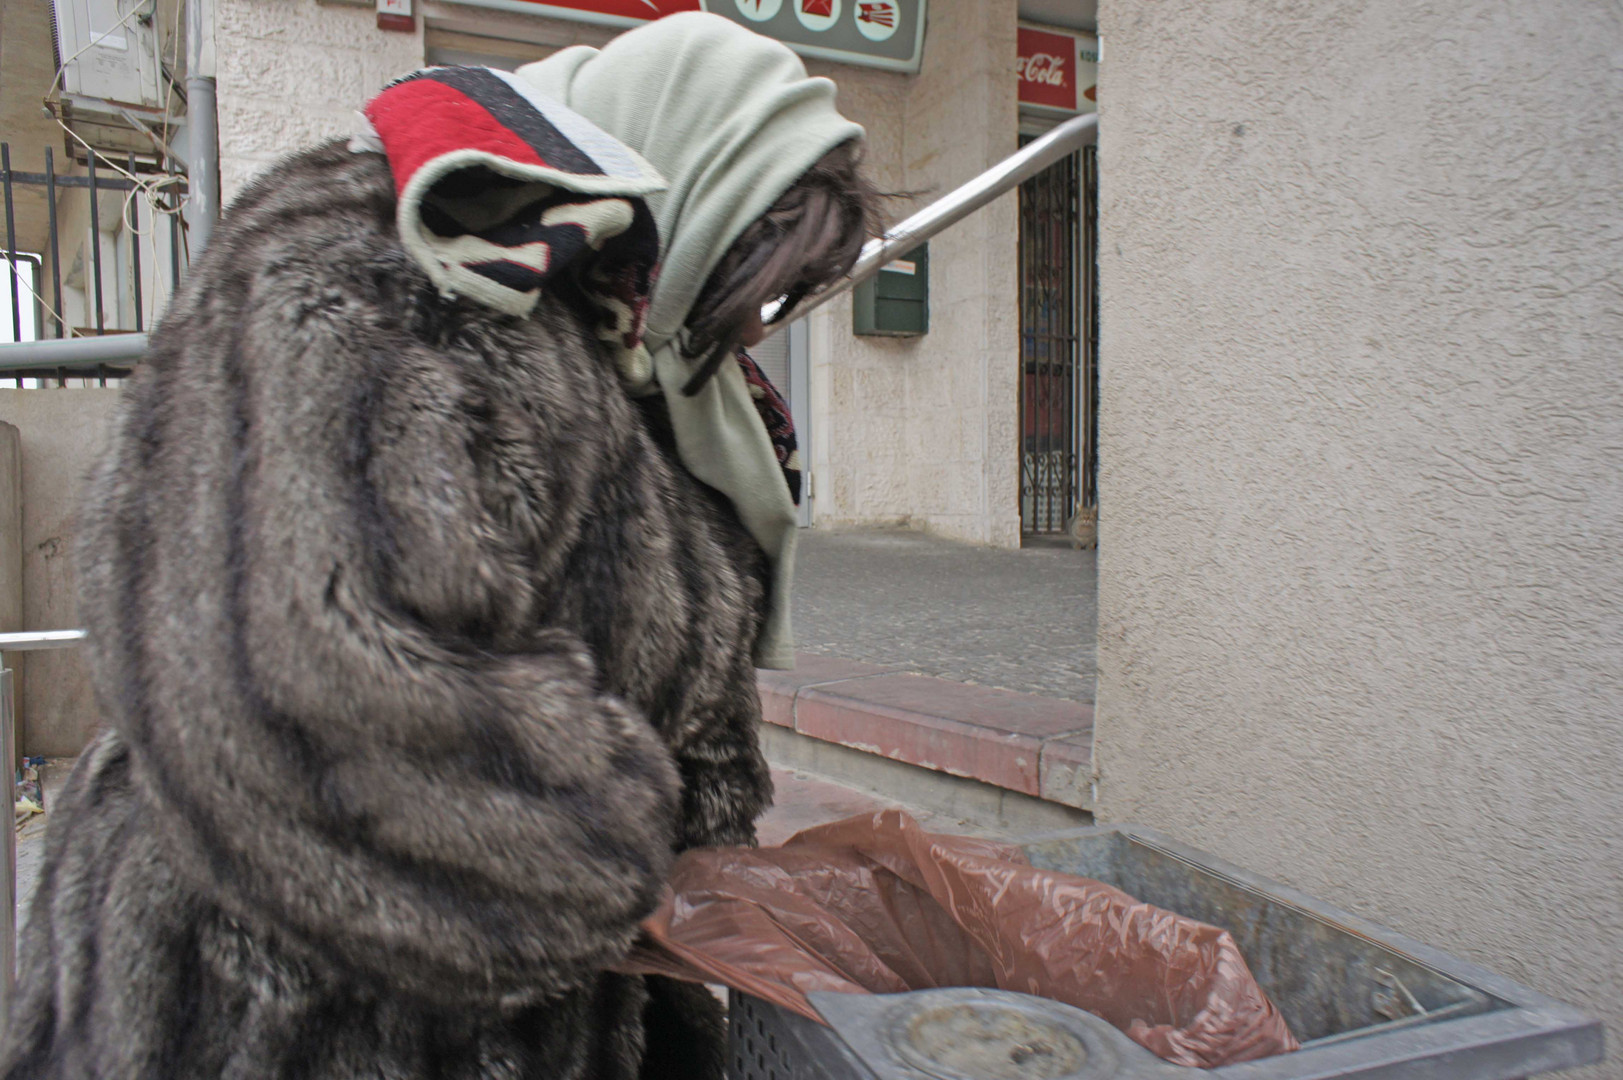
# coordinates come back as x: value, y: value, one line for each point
x: 1019, y: 620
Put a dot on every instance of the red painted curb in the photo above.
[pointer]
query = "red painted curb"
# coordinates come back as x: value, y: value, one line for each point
x: 1034, y: 745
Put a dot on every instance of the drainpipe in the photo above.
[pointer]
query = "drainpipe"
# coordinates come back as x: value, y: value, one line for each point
x: 203, y: 175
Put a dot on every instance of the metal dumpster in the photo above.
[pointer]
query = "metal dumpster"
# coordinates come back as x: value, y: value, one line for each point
x: 1364, y: 1001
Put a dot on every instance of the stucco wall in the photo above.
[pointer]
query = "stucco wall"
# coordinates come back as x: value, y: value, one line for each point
x: 61, y: 433
x: 922, y: 431
x: 292, y: 73
x: 1361, y: 600
x: 11, y: 529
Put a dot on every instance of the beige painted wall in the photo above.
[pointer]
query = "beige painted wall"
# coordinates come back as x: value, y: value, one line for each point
x: 26, y: 71
x: 1361, y: 594
x: 61, y: 433
x: 11, y: 529
x: 11, y: 549
x: 922, y: 431
x: 293, y: 73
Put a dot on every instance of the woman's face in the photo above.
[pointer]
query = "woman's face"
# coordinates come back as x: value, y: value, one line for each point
x: 753, y: 331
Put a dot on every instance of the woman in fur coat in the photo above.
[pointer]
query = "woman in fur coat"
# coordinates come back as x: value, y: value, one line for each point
x: 421, y: 643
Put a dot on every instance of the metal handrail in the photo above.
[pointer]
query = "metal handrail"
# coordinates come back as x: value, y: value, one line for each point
x: 70, y: 352
x: 1064, y: 139
x: 35, y: 640
x: 1028, y: 161
x: 31, y: 641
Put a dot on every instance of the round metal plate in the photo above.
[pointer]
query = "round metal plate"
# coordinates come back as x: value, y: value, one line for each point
x: 995, y: 1040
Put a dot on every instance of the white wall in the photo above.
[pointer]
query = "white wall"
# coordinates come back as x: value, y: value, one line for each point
x: 1361, y: 576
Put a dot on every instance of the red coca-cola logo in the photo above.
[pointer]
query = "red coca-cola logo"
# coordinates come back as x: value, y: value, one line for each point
x: 1047, y: 69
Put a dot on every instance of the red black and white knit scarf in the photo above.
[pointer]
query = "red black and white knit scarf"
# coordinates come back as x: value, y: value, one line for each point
x: 504, y: 193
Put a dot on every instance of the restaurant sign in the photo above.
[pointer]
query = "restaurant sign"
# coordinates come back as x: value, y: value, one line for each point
x: 1058, y: 70
x: 875, y: 33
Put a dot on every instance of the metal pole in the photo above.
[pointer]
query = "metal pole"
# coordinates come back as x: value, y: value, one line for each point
x: 135, y: 253
x: 75, y: 351
x: 40, y: 640
x: 95, y: 239
x: 174, y: 257
x: 203, y: 164
x: 56, y: 248
x: 11, y: 246
x: 958, y: 204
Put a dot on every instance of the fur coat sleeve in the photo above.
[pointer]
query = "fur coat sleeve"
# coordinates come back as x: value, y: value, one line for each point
x: 325, y: 555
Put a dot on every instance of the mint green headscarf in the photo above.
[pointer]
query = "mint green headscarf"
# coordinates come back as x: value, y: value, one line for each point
x: 731, y: 120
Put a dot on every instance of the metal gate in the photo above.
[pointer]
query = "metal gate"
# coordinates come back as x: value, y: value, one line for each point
x: 1058, y: 344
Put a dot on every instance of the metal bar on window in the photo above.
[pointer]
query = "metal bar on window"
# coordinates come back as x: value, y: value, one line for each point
x: 95, y: 241
x: 56, y: 250
x: 117, y: 183
x: 11, y: 246
x: 174, y: 254
x: 135, y: 255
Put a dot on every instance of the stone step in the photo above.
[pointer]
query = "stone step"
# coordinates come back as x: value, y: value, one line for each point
x: 1032, y: 746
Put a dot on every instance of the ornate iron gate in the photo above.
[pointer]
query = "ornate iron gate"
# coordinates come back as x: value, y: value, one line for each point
x: 1058, y: 343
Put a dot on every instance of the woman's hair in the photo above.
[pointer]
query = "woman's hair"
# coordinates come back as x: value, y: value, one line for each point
x: 809, y: 238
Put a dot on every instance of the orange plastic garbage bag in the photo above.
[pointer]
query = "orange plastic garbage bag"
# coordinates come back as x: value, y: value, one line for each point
x: 874, y: 904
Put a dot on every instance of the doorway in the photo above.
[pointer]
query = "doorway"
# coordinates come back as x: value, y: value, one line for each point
x: 1059, y: 334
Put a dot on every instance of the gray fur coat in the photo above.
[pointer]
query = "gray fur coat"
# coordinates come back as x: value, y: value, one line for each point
x: 420, y: 657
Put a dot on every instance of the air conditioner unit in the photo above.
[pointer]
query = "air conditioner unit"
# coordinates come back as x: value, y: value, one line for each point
x: 109, y: 49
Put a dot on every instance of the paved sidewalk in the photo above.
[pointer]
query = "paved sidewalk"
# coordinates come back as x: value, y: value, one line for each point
x: 1019, y: 620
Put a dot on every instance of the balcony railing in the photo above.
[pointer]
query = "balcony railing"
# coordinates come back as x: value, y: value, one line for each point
x: 110, y: 250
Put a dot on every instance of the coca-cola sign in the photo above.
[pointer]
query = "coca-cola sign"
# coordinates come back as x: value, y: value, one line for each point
x: 1057, y: 69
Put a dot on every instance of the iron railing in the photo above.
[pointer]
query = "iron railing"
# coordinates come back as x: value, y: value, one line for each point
x: 36, y: 293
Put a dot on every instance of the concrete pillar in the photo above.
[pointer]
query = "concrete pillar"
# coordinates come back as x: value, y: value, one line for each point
x: 62, y: 433
x: 11, y: 545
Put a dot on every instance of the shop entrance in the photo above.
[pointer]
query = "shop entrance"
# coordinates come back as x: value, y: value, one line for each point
x: 1059, y: 334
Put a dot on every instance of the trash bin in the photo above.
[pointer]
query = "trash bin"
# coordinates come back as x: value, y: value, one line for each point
x: 1364, y: 1001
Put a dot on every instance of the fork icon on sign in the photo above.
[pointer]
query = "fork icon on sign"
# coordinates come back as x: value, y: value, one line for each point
x: 880, y: 12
